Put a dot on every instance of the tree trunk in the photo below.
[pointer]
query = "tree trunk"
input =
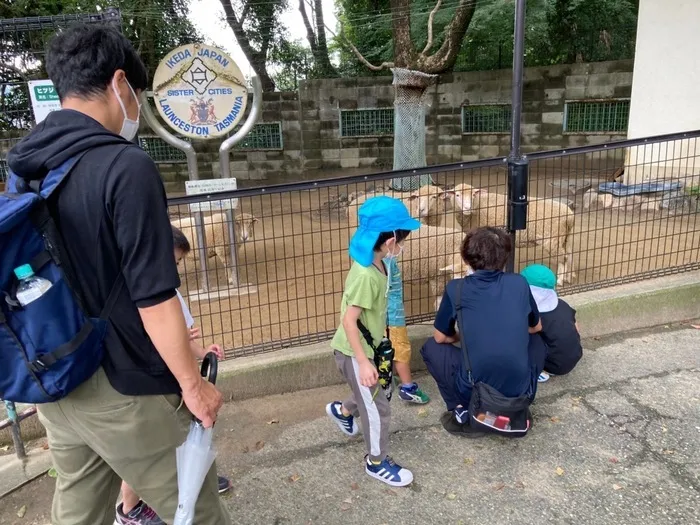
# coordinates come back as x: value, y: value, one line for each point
x: 323, y: 62
x: 409, y: 126
x: 404, y: 50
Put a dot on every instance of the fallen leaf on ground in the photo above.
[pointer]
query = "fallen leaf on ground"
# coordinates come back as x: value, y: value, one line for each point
x: 45, y: 446
x: 391, y: 492
x: 554, y: 419
x: 617, y: 487
x: 668, y: 452
x: 520, y: 484
x: 422, y: 412
x: 259, y: 445
x: 499, y: 486
x: 664, y: 429
x: 596, y: 338
x: 345, y: 506
x: 22, y: 511
x: 5, y: 448
x: 451, y: 496
x: 468, y: 461
x: 348, y: 501
x: 354, y: 486
x: 560, y: 471
x: 52, y: 473
x: 614, y: 460
x: 294, y: 477
x: 696, y: 326
x: 273, y: 421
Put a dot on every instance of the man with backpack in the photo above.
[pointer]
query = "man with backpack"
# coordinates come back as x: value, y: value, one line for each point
x: 105, y: 349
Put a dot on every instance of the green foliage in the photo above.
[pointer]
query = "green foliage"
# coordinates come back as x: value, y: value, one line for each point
x: 290, y: 62
x: 557, y: 31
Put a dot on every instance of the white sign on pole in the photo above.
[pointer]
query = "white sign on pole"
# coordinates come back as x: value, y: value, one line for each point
x: 199, y: 187
x: 44, y: 98
x: 199, y: 91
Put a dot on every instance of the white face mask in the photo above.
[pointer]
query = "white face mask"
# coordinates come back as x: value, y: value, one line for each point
x: 130, y: 127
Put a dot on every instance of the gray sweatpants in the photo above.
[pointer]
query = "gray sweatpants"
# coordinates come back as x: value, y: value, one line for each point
x: 375, y: 414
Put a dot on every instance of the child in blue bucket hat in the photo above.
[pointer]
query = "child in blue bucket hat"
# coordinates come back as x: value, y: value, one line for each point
x: 559, y: 327
x: 384, y: 223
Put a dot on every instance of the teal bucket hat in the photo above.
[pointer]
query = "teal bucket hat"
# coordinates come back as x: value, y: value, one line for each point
x: 378, y: 215
x: 540, y: 276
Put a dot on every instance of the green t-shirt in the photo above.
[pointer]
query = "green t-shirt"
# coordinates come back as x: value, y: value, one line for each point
x: 365, y: 288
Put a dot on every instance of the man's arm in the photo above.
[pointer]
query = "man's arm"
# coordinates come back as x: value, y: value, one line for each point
x: 445, y: 321
x: 136, y: 204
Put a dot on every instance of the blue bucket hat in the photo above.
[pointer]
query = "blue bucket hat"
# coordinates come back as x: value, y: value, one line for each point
x: 378, y: 215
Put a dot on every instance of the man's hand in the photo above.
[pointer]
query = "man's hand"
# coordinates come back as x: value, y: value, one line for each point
x: 200, y: 352
x: 194, y: 333
x: 204, y: 401
x: 368, y: 374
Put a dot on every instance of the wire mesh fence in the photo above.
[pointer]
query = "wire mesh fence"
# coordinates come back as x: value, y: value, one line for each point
x: 291, y: 240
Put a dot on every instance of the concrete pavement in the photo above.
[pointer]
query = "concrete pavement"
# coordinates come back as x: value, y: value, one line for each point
x: 616, y: 442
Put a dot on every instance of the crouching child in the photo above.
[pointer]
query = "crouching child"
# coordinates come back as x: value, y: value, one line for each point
x: 559, y: 327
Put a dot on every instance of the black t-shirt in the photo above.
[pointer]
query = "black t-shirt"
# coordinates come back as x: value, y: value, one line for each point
x: 562, y: 339
x: 112, y: 213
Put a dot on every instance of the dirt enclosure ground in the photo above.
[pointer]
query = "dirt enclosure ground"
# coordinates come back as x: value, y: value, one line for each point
x: 298, y: 259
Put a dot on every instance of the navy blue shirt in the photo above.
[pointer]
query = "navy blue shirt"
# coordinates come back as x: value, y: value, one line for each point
x: 497, y: 309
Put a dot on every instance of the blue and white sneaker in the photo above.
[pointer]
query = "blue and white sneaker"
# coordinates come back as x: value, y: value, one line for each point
x: 461, y: 415
x: 347, y: 424
x: 389, y: 472
x: 543, y: 377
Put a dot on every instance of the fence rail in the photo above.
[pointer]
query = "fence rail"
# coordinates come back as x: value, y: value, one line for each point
x: 291, y: 239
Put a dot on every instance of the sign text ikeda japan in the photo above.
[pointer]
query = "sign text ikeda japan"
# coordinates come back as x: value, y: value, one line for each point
x: 200, y: 91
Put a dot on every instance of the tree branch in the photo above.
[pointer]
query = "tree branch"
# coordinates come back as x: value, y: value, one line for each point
x: 444, y: 58
x: 311, y: 37
x: 429, y: 44
x: 381, y: 67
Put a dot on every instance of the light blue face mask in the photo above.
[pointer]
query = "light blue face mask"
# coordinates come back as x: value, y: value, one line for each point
x: 389, y: 258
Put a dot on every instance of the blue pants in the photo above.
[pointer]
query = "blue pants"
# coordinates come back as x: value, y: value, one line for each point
x: 445, y: 362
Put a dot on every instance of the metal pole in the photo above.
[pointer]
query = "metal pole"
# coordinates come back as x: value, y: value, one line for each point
x: 516, y: 116
x: 14, y: 430
x: 225, y: 165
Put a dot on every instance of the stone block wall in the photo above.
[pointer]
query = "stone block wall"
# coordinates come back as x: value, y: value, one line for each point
x: 313, y: 148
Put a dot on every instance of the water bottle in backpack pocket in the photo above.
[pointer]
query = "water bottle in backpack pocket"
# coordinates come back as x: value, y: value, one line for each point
x: 48, y: 344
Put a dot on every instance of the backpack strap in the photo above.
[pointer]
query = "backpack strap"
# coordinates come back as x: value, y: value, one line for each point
x: 47, y: 360
x: 457, y: 303
x: 366, y: 334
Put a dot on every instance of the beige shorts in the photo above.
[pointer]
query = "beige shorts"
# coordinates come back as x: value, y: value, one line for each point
x: 402, y: 346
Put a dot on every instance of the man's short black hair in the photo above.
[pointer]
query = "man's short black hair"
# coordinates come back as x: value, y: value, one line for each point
x: 486, y: 248
x: 401, y: 236
x: 180, y: 242
x: 82, y: 60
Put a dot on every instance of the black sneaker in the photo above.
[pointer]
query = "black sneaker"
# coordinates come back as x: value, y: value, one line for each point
x: 453, y: 426
x: 224, y: 485
x: 141, y: 514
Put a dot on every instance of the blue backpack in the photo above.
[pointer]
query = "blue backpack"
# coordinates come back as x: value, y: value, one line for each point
x: 51, y: 346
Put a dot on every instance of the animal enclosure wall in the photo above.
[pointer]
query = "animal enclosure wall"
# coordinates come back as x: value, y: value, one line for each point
x: 296, y: 252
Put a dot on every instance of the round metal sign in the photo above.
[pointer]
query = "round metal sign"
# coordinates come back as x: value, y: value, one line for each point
x: 199, y: 91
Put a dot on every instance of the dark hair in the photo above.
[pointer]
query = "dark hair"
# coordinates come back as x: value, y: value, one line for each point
x: 486, y: 248
x: 180, y: 242
x: 82, y: 60
x: 385, y: 236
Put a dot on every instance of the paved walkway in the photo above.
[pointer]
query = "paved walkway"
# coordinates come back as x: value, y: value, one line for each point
x: 616, y: 442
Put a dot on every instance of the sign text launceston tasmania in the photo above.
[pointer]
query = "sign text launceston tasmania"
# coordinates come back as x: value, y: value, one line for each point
x: 200, y: 91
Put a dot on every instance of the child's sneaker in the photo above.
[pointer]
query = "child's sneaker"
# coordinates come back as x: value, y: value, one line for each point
x: 141, y: 514
x: 347, y: 424
x: 413, y: 394
x: 461, y: 415
x: 389, y: 472
x: 543, y: 377
x: 224, y: 485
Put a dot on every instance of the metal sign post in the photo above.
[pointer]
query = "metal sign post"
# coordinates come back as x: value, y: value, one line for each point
x: 200, y: 92
x: 517, y: 164
x: 225, y: 166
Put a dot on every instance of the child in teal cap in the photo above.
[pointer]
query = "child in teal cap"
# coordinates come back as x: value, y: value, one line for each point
x: 384, y: 223
x: 559, y: 327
